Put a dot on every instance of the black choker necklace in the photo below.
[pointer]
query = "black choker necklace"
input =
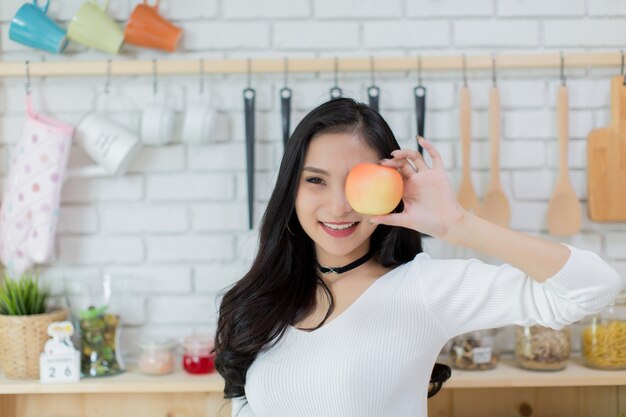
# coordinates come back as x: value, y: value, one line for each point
x: 342, y: 269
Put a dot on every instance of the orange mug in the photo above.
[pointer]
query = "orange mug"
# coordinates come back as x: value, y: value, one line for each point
x: 147, y: 28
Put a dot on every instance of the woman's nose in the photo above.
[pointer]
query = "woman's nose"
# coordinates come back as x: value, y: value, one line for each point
x: 339, y: 203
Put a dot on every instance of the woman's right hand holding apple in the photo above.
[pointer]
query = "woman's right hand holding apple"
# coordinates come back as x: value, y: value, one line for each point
x: 431, y: 207
x: 430, y: 203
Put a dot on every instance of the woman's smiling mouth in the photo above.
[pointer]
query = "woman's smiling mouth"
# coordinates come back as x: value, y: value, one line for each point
x: 339, y: 229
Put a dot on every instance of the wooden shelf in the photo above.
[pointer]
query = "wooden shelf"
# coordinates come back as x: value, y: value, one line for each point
x: 130, y: 381
x: 505, y: 375
x: 69, y: 67
x: 508, y: 375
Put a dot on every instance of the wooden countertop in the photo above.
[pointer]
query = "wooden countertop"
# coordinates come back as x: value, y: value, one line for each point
x: 505, y: 375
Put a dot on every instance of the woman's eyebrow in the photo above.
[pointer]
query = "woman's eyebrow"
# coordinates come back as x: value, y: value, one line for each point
x: 316, y: 170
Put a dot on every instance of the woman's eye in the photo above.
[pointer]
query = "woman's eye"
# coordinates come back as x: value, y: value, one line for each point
x: 314, y: 180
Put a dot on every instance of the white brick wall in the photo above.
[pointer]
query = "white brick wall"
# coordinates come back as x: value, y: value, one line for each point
x: 250, y: 9
x: 406, y: 34
x: 574, y: 8
x: 510, y: 33
x: 175, y: 226
x: 585, y: 33
x: 316, y: 35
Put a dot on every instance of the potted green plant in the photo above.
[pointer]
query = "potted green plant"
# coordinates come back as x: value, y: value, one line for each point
x: 24, y: 324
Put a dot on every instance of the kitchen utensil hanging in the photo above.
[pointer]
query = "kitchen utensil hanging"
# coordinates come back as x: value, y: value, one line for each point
x: 336, y: 92
x: 285, y: 106
x: 373, y: 92
x: 495, y: 205
x: 606, y: 160
x: 467, y: 195
x: 419, y: 93
x: 564, y: 212
x: 249, y: 95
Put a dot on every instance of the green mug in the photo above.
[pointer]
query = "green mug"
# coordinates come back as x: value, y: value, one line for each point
x: 92, y: 27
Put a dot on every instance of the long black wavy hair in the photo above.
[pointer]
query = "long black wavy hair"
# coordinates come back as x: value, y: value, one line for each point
x: 280, y: 287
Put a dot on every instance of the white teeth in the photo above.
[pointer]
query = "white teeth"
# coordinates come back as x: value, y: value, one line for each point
x: 339, y: 226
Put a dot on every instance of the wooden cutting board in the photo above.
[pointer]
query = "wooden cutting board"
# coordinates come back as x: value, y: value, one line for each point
x: 606, y: 162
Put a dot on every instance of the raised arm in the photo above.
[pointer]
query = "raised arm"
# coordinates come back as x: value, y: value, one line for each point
x: 431, y: 207
x: 539, y: 258
x: 540, y: 282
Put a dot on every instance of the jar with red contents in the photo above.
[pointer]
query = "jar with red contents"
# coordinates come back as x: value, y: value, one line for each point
x: 197, y: 358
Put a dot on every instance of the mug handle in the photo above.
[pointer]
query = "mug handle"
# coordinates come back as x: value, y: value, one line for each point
x: 44, y: 8
x: 156, y: 5
x: 104, y: 6
x: 90, y: 171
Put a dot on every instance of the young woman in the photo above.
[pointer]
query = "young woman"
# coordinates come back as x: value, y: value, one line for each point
x: 341, y: 314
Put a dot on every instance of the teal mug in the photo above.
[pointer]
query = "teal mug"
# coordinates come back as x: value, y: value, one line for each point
x: 32, y: 27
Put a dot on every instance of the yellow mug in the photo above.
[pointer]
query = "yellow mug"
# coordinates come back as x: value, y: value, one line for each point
x: 92, y: 27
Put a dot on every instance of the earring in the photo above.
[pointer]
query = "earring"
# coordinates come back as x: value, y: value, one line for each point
x: 289, y: 230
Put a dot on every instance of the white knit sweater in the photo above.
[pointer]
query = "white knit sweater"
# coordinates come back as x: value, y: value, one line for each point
x: 375, y: 359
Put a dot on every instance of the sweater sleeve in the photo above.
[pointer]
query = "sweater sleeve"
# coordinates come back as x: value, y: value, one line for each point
x: 468, y: 295
x: 241, y: 408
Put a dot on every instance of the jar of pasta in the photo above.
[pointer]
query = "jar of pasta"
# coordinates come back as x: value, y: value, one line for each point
x: 541, y: 348
x: 604, y: 337
x: 477, y: 350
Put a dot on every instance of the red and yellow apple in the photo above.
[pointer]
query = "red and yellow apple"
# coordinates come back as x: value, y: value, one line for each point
x: 373, y: 189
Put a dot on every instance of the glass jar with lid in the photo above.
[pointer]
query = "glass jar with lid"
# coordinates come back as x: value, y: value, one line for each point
x: 541, y: 348
x: 478, y: 350
x: 157, y: 356
x: 198, y: 358
x: 604, y: 336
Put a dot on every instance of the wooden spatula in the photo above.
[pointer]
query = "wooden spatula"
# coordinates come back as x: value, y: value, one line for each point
x: 606, y: 161
x: 564, y: 212
x: 495, y: 205
x: 467, y: 195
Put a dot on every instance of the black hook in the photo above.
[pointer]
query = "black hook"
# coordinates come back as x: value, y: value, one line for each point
x: 372, y: 69
x: 201, y: 85
x: 107, y: 82
x: 622, y: 72
x: 419, y: 70
x: 286, y: 71
x: 493, y: 69
x: 28, y: 86
x: 336, y: 92
x: 464, y: 71
x: 562, y: 69
x: 249, y: 72
x: 154, y: 77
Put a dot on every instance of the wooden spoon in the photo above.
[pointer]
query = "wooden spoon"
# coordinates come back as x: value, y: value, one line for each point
x: 495, y: 206
x: 564, y: 212
x: 467, y: 195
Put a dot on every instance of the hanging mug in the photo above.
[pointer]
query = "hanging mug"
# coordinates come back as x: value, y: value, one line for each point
x: 157, y: 124
x: 199, y: 123
x: 32, y: 27
x: 147, y: 28
x: 113, y: 147
x: 92, y: 27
